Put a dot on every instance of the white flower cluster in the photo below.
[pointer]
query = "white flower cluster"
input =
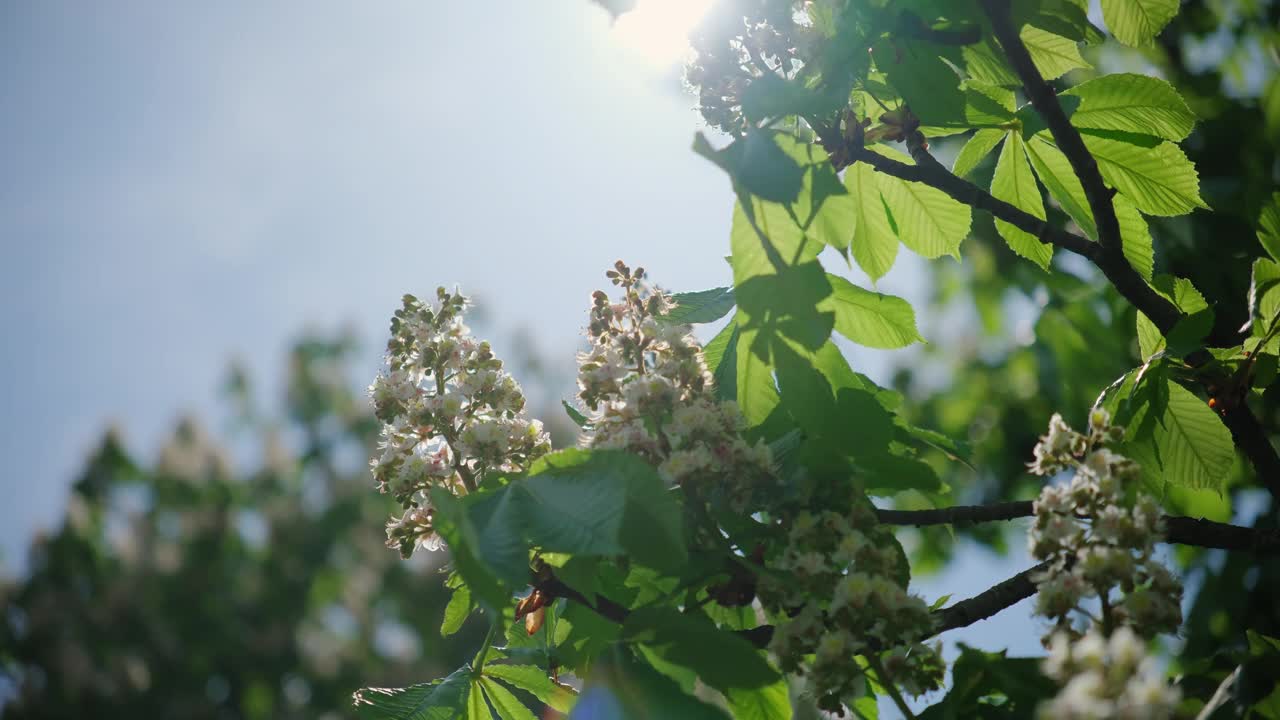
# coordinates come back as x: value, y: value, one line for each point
x: 451, y: 416
x: 1107, y: 678
x: 838, y: 578
x: 1098, y: 535
x: 649, y: 391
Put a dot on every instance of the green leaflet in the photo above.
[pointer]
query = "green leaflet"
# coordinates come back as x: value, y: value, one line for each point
x: 602, y: 503
x: 873, y: 244
x: 757, y: 392
x: 534, y: 680
x: 457, y: 611
x: 721, y: 355
x: 1135, y: 237
x: 445, y: 699
x: 704, y: 306
x: 756, y: 165
x: 1054, y: 171
x: 722, y: 659
x: 984, y: 61
x: 622, y: 687
x: 1060, y: 180
x: 928, y: 221
x: 1269, y: 227
x: 1014, y: 183
x: 771, y: 702
x: 1187, y: 298
x: 870, y: 318
x: 507, y: 705
x: 1159, y: 180
x: 1180, y: 441
x: 1264, y: 294
x: 985, y: 681
x: 977, y: 148
x: 1053, y: 55
x: 1132, y: 103
x: 1137, y: 22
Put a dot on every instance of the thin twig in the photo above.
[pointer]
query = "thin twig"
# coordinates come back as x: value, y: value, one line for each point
x: 1182, y: 530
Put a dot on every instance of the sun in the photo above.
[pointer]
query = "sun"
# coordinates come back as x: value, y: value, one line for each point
x: 658, y: 30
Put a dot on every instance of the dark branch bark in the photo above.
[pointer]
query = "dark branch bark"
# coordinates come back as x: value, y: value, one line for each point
x: 984, y: 605
x: 1196, y: 532
x: 1111, y: 261
x: 957, y: 515
x: 930, y: 172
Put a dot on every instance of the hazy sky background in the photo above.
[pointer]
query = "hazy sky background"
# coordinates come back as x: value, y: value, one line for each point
x: 184, y: 183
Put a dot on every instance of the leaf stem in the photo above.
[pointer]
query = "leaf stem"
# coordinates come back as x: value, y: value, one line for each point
x: 478, y: 663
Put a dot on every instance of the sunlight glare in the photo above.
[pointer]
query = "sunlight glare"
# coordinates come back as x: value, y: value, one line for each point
x: 658, y: 30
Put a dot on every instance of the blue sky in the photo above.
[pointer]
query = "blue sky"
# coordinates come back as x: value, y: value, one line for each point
x: 186, y: 183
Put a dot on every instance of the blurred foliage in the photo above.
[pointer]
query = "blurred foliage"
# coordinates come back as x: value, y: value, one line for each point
x: 188, y: 589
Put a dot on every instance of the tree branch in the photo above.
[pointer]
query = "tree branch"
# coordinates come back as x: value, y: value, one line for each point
x: 1196, y: 532
x: 929, y: 171
x: 985, y: 604
x: 1044, y: 99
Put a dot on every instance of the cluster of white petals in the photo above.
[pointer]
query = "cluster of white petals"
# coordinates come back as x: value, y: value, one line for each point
x: 841, y: 578
x: 451, y: 416
x: 1098, y: 535
x: 1108, y: 678
x: 646, y: 385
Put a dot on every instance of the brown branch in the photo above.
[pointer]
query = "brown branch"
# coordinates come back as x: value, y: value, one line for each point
x: 957, y: 515
x: 985, y: 604
x: 1044, y: 99
x: 964, y: 613
x: 1196, y: 532
x: 929, y: 171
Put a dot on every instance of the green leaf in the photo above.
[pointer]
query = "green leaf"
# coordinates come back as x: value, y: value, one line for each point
x: 1053, y: 55
x: 870, y: 318
x: 1264, y: 294
x: 1159, y: 180
x: 990, y: 685
x: 1181, y: 441
x: 1135, y: 237
x: 756, y: 165
x: 977, y: 148
x: 451, y: 519
x: 1269, y: 227
x: 928, y: 84
x: 1060, y: 180
x: 603, y: 503
x: 1014, y: 183
x: 477, y: 705
x: 507, y: 705
x: 721, y: 355
x: 457, y: 611
x: 1132, y: 103
x: 440, y: 700
x: 722, y: 659
x: 985, y: 62
x: 928, y: 221
x: 771, y: 702
x: 575, y: 415
x: 757, y: 391
x: 1137, y: 22
x: 621, y: 687
x: 873, y: 243
x: 700, y: 307
x: 534, y: 681
x: 1183, y: 294
x: 763, y: 236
